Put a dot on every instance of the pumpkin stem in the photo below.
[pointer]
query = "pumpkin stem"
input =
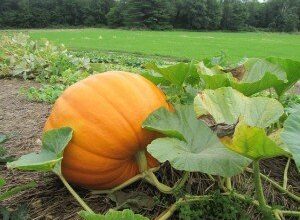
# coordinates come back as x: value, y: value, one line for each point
x: 141, y: 161
x: 75, y: 195
x: 151, y: 178
x: 125, y: 184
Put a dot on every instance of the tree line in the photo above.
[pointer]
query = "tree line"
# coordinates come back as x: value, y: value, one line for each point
x: 233, y: 15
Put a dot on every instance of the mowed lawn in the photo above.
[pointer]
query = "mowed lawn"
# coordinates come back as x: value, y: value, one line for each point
x: 181, y: 44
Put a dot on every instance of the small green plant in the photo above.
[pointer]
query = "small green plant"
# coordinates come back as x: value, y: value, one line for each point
x: 53, y: 66
x: 218, y: 207
x: 20, y: 213
x: 46, y: 93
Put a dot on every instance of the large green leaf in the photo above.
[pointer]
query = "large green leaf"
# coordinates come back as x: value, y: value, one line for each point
x: 126, y: 214
x: 191, y: 145
x: 227, y: 105
x: 253, y: 142
x: 44, y: 161
x: 155, y: 77
x: 176, y: 74
x: 292, y: 70
x: 254, y: 75
x: 291, y: 136
x: 54, y: 143
x: 256, y: 68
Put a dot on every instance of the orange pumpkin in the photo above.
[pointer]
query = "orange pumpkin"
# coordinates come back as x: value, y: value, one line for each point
x: 106, y: 112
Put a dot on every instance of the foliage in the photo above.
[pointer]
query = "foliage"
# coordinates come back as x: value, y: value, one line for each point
x: 234, y: 15
x: 253, y: 75
x: 190, y: 145
x: 253, y: 142
x: 43, y: 62
x: 227, y: 105
x: 21, y: 213
x: 126, y: 214
x: 291, y: 136
x: 178, y: 81
x: 46, y: 93
x: 37, y: 13
x: 152, y: 14
x: 218, y: 207
x: 182, y: 81
x: 48, y: 159
x: 124, y: 59
x: 279, y: 15
x: 290, y: 101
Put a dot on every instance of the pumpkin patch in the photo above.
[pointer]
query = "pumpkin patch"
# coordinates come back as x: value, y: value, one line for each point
x: 115, y: 128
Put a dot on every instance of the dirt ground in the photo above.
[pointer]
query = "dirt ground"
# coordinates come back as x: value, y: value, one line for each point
x: 23, y: 121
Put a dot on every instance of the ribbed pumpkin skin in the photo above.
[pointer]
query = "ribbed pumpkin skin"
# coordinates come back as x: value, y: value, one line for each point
x: 106, y: 112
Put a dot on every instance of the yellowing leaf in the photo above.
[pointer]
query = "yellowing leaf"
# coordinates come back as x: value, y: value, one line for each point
x: 253, y: 142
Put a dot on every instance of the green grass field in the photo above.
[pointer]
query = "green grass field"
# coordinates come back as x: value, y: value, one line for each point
x: 181, y: 44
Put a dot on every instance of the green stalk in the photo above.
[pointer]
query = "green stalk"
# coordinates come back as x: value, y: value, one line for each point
x: 125, y: 184
x: 141, y: 160
x: 119, y: 187
x: 75, y: 195
x: 186, y: 200
x: 258, y: 186
x: 285, y: 174
x: 151, y: 178
x: 170, y: 211
x: 228, y: 183
x: 290, y: 213
x: 276, y: 214
x: 148, y: 174
x: 277, y: 186
x: 211, y: 177
x: 221, y: 183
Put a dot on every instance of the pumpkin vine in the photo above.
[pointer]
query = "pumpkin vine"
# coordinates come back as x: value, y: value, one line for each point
x: 115, y: 128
